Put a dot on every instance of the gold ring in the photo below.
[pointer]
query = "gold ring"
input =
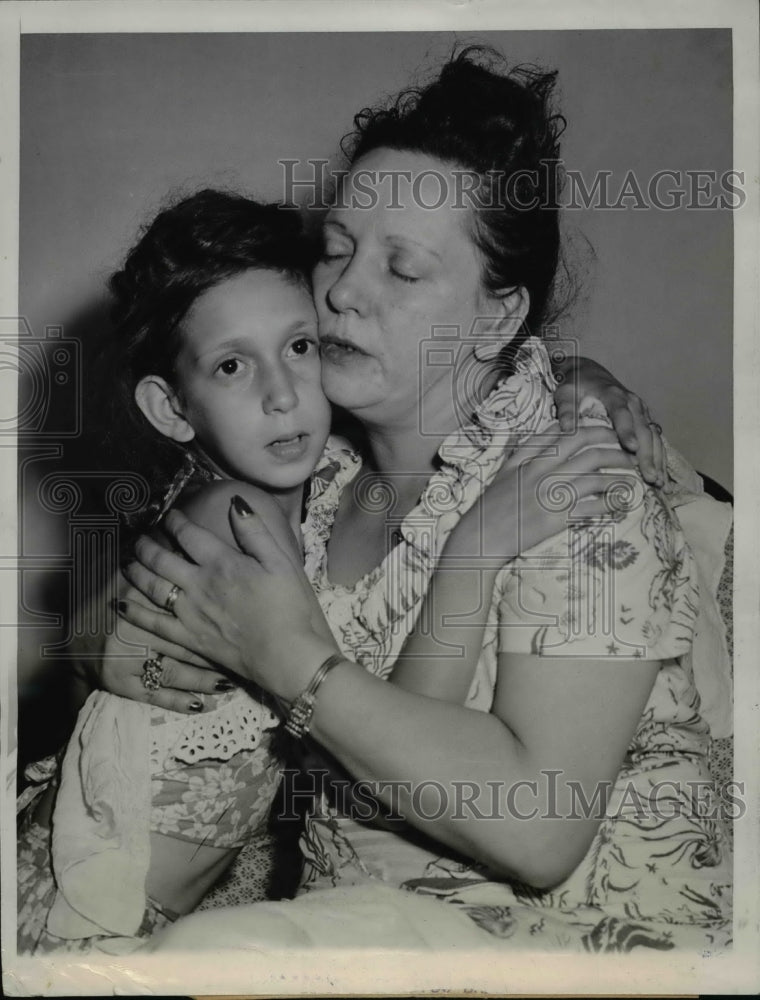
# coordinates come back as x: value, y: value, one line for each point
x: 171, y: 599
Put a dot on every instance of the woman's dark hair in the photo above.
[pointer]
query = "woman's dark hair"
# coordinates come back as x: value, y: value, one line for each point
x: 497, y: 123
x: 187, y: 249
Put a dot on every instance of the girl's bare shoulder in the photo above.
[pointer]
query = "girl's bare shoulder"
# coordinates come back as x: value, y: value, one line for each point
x: 209, y: 505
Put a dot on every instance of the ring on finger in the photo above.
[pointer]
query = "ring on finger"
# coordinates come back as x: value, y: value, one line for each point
x: 152, y: 670
x: 171, y: 599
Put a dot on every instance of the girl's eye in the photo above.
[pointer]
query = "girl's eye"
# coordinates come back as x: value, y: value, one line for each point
x: 303, y: 346
x: 230, y: 366
x: 334, y: 250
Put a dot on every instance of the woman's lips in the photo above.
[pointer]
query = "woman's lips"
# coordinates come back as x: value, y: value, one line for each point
x: 289, y: 449
x: 338, y: 350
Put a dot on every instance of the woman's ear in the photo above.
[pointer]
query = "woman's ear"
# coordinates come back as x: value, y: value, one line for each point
x: 160, y: 405
x: 509, y: 308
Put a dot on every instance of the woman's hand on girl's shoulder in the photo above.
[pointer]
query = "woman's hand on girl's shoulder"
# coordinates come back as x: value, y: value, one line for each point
x: 580, y: 377
x: 548, y: 481
x: 209, y: 507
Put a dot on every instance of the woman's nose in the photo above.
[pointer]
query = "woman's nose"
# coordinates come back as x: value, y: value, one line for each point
x: 280, y: 396
x: 348, y: 292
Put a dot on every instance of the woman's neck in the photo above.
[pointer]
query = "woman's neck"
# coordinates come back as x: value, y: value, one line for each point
x: 409, y: 444
x: 401, y: 450
x: 404, y: 457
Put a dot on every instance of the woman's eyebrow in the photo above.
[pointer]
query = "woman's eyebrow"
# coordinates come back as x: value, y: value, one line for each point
x: 394, y: 240
x: 404, y: 241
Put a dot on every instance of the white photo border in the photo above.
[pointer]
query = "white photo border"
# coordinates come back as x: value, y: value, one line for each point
x: 380, y: 972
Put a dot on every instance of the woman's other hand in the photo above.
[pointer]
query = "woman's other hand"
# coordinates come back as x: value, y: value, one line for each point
x: 638, y: 433
x: 541, y: 490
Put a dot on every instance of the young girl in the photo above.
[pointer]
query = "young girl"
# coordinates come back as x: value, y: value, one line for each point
x: 216, y: 344
x: 218, y: 382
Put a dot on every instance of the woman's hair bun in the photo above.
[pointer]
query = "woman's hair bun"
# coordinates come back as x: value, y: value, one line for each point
x: 484, y: 116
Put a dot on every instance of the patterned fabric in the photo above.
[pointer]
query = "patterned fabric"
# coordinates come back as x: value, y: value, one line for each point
x: 36, y: 893
x: 211, y: 782
x: 248, y: 878
x: 726, y: 594
x: 652, y: 877
x: 722, y: 750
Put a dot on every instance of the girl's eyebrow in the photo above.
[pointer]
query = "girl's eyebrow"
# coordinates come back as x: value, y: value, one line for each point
x: 245, y: 343
x: 335, y: 224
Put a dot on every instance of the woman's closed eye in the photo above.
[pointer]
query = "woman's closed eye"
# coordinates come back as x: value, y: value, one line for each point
x: 403, y: 272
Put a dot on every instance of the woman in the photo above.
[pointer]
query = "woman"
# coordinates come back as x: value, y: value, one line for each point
x: 579, y: 713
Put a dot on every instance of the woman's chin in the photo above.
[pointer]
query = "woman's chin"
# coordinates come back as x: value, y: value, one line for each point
x: 352, y: 388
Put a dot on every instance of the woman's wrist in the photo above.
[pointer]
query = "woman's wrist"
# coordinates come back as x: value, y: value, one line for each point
x: 298, y: 719
x: 303, y: 662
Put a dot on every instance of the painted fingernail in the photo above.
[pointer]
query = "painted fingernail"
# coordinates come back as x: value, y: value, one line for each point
x: 121, y: 607
x: 224, y: 686
x: 241, y: 506
x: 195, y: 706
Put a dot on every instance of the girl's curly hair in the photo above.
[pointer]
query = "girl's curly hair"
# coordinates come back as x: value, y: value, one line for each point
x: 187, y: 249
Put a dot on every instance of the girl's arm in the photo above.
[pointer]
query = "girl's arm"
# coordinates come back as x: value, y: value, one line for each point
x: 440, y: 655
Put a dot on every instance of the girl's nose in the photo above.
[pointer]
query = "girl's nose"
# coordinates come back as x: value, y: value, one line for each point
x: 280, y: 396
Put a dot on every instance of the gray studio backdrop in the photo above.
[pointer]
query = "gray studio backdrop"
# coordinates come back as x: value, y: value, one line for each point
x: 111, y: 123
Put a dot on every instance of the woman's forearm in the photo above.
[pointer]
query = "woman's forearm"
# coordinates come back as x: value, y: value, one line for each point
x: 460, y: 776
x: 406, y: 745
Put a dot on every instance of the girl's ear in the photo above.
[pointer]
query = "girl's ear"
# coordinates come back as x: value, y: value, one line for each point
x: 509, y: 308
x: 159, y: 404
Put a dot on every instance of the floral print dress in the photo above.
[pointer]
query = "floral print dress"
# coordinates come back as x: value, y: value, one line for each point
x: 658, y: 871
x: 130, y: 770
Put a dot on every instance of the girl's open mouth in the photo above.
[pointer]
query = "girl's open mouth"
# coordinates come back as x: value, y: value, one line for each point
x: 289, y: 448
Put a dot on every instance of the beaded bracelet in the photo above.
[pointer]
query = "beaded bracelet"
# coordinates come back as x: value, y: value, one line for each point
x: 301, y: 711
